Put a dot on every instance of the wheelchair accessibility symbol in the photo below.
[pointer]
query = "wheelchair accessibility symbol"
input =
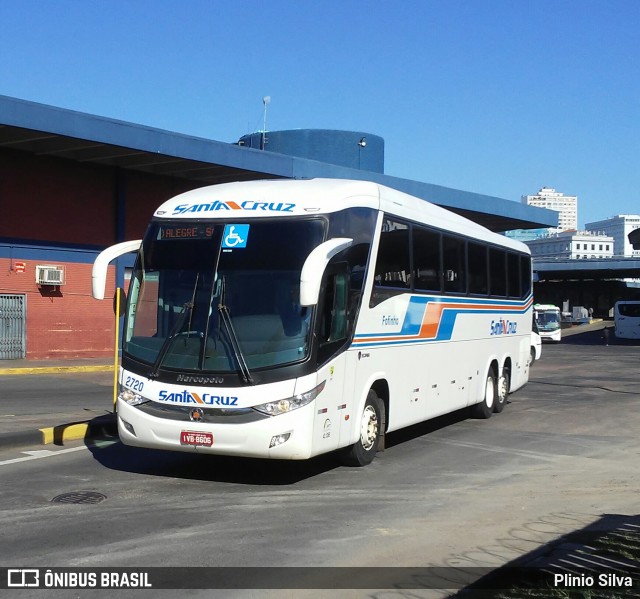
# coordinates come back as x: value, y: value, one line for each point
x: 235, y: 236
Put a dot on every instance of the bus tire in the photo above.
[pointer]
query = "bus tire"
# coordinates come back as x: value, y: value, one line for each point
x: 504, y: 382
x: 362, y: 452
x: 484, y: 409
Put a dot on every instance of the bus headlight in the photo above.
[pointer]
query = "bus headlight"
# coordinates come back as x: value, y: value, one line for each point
x: 130, y: 397
x: 282, y: 406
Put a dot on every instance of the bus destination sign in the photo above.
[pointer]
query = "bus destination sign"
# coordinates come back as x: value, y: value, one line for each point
x: 195, y: 231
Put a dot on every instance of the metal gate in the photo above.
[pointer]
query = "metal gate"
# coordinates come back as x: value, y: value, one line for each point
x: 13, y: 327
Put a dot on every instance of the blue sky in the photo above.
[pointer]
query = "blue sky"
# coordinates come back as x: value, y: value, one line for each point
x: 499, y: 97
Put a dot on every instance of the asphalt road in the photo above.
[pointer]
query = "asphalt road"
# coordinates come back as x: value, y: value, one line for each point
x: 454, y: 493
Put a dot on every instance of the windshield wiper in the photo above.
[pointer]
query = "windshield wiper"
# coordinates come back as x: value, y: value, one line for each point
x: 187, y: 309
x: 225, y: 317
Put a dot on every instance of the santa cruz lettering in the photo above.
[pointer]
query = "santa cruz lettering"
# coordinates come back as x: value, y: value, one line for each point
x: 189, y: 397
x: 503, y: 327
x: 246, y: 205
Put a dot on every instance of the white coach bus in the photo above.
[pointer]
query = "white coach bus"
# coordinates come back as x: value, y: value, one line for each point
x: 626, y: 318
x: 286, y: 319
x: 548, y: 320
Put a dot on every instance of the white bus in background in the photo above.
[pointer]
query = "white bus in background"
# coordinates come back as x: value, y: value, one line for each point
x: 548, y: 320
x: 626, y: 317
x: 286, y: 319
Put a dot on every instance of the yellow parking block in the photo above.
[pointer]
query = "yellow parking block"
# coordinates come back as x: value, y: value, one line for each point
x: 63, y: 433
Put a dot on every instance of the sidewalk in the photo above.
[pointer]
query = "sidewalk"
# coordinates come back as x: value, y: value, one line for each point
x: 596, y: 324
x: 57, y: 427
x: 12, y: 367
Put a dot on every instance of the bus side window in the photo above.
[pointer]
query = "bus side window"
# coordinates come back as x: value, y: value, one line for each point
x: 426, y: 260
x: 393, y: 263
x: 498, y: 272
x: 453, y: 255
x: 478, y: 273
x: 513, y: 275
x: 525, y: 275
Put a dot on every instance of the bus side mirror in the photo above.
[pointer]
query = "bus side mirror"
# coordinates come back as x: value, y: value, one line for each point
x: 314, y: 266
x: 101, y: 264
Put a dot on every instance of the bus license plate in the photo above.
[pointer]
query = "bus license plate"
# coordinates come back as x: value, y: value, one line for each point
x: 193, y: 438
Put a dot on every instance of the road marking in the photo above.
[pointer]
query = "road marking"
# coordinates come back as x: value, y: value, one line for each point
x: 484, y: 447
x: 39, y: 454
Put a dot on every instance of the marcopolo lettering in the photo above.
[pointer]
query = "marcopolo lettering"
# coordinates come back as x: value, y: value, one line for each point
x: 189, y: 397
x: 246, y: 205
x: 504, y: 327
x: 200, y: 380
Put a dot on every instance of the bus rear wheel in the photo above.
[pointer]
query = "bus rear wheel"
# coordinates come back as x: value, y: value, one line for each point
x: 504, y: 382
x: 362, y: 452
x: 484, y: 409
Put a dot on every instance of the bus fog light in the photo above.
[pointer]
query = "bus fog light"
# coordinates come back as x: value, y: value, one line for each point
x: 128, y: 427
x: 130, y: 397
x: 279, y: 440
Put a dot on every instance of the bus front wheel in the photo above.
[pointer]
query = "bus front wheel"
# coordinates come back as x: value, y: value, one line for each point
x: 364, y: 449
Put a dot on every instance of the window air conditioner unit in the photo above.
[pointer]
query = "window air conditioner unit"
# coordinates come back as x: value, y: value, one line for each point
x: 49, y: 275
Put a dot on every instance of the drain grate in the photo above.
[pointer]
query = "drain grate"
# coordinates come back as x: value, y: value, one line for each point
x: 79, y: 497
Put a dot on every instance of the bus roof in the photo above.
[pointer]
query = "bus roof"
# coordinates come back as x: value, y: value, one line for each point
x: 295, y: 197
x: 545, y: 307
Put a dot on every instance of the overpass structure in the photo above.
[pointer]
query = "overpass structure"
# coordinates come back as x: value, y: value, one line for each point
x: 592, y: 283
x: 580, y: 270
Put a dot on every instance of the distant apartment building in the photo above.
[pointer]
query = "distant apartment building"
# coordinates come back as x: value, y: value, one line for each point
x: 567, y: 206
x: 547, y: 197
x: 619, y: 228
x: 577, y: 245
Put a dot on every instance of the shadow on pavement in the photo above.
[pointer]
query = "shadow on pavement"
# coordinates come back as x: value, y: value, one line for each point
x: 224, y: 469
x: 599, y: 560
x: 602, y: 337
x: 248, y: 471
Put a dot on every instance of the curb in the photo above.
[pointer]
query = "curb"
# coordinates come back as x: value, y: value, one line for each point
x: 98, y: 428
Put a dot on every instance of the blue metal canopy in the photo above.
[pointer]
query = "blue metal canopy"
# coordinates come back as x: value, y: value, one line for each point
x: 48, y: 130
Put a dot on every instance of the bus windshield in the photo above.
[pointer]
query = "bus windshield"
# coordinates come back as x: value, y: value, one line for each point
x: 221, y: 297
x: 547, y: 320
x: 630, y: 310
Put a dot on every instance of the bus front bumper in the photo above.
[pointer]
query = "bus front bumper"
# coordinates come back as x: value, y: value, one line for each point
x: 286, y: 436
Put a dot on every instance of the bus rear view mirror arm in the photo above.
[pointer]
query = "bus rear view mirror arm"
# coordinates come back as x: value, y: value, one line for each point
x: 314, y: 266
x: 101, y: 264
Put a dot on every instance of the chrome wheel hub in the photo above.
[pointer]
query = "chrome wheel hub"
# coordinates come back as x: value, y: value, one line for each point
x: 368, y: 428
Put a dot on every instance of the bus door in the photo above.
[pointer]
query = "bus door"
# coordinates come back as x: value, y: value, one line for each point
x: 334, y: 324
